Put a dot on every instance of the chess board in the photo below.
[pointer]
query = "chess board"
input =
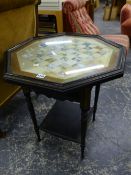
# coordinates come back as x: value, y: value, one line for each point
x: 66, y: 58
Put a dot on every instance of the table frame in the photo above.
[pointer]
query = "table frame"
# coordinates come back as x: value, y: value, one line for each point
x: 85, y: 98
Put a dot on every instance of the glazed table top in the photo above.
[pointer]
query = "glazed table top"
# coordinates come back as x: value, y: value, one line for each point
x: 65, y: 58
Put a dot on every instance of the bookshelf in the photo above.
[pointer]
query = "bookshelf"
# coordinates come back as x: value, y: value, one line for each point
x: 50, y: 12
x: 47, y: 24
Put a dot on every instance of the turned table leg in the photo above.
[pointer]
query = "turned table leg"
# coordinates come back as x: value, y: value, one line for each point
x: 26, y: 92
x: 97, y: 90
x: 85, y: 108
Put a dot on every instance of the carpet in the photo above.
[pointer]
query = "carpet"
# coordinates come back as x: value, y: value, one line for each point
x: 108, y: 140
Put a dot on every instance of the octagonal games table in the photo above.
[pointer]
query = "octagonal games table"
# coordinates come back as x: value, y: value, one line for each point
x: 65, y: 67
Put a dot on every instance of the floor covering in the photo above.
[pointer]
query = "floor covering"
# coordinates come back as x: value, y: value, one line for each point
x: 108, y: 140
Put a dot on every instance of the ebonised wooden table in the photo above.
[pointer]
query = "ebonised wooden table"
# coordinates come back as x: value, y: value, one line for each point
x: 65, y: 67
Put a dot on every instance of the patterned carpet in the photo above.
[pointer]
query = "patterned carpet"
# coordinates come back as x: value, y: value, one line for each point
x: 108, y: 141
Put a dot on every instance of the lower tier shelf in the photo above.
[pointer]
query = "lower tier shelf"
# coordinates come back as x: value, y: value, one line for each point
x: 64, y: 121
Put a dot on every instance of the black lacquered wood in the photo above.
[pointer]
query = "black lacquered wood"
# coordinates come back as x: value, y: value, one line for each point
x: 89, y: 80
x: 97, y: 91
x: 26, y: 92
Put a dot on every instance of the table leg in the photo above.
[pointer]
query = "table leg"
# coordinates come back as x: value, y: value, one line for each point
x: 85, y: 108
x: 97, y: 90
x: 113, y: 2
x: 26, y: 92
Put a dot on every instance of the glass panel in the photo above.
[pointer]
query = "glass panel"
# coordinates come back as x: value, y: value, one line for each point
x: 65, y: 58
